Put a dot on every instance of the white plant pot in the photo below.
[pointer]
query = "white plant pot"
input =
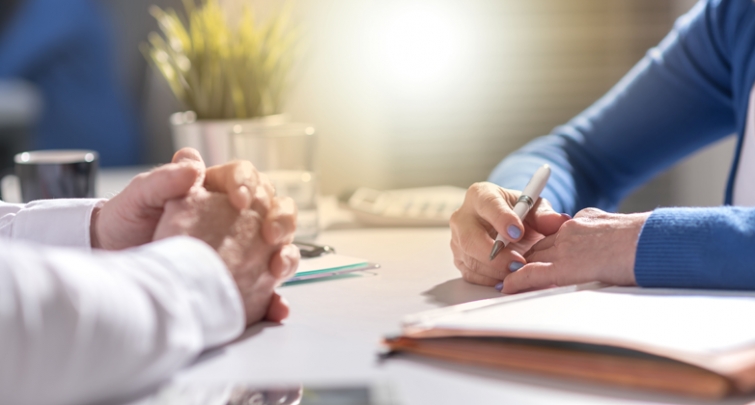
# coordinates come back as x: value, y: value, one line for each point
x: 212, y: 137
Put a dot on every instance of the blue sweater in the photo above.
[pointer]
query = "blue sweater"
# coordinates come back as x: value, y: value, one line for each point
x: 64, y: 48
x: 688, y: 92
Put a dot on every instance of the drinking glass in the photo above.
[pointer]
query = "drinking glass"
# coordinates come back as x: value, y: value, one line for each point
x: 286, y: 154
x: 44, y: 174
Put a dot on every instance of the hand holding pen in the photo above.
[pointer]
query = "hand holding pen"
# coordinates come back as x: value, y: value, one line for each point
x: 490, y: 212
x: 524, y: 204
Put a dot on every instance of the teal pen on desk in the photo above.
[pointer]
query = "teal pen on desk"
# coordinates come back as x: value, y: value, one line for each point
x: 528, y: 198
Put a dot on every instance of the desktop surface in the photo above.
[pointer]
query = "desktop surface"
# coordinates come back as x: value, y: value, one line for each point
x: 332, y: 337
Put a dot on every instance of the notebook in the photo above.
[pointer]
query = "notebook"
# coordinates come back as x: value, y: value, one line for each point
x: 692, y: 342
x: 329, y: 265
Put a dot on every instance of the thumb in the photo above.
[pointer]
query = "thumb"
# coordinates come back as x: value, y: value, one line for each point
x: 191, y: 156
x: 544, y: 219
x: 165, y: 183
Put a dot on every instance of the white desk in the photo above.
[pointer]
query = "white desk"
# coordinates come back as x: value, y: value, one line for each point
x: 332, y: 335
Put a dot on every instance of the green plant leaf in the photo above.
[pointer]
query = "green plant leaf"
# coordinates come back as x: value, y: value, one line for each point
x: 220, y: 71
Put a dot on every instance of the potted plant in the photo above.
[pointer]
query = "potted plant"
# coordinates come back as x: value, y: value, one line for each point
x: 227, y: 75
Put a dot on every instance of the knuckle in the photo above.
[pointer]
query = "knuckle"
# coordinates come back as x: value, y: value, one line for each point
x: 286, y: 212
x: 264, y: 180
x: 479, y: 191
x: 562, y: 244
x: 473, y: 265
x: 454, y: 221
x: 245, y: 165
x: 476, y: 188
x: 140, y: 178
x: 293, y: 253
x: 244, y: 171
x: 467, y: 243
x: 468, y: 277
x: 487, y: 197
x: 294, y: 256
x: 460, y: 265
x: 288, y: 204
x: 567, y: 228
x: 174, y: 205
x: 589, y: 212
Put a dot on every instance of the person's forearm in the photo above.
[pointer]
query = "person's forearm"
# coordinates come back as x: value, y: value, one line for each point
x: 78, y: 327
x: 697, y: 248
x: 675, y: 101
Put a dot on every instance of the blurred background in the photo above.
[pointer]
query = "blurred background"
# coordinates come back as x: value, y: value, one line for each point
x: 409, y: 93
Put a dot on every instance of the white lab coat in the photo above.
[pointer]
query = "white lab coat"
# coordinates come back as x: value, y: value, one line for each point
x: 79, y: 326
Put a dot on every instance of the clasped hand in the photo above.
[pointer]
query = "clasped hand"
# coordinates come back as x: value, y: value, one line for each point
x: 547, y: 249
x: 231, y: 207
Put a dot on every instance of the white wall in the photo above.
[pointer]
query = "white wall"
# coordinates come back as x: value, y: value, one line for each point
x: 701, y: 179
x: 523, y: 66
x: 518, y: 69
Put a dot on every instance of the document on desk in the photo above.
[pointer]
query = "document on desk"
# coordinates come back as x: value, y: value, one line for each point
x: 660, y: 339
x: 330, y: 265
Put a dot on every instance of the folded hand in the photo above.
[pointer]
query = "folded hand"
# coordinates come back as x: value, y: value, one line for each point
x: 131, y: 218
x: 594, y: 246
x: 236, y: 236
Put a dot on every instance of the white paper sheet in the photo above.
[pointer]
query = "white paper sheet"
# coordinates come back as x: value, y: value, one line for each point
x: 692, y: 322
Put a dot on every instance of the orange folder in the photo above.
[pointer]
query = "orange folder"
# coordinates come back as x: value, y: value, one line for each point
x: 697, y: 343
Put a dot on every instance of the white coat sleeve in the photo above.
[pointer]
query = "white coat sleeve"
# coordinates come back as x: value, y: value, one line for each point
x: 58, y: 222
x: 78, y: 327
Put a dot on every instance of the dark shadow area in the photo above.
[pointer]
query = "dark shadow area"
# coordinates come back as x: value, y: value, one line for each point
x: 256, y: 329
x: 249, y: 333
x: 205, y: 356
x: 458, y: 291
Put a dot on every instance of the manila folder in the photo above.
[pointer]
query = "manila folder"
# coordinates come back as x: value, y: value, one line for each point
x: 700, y: 343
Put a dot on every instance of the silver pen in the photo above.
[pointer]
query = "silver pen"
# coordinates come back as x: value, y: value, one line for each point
x: 528, y: 198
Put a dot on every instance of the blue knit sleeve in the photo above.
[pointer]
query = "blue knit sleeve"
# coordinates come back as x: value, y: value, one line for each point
x: 697, y: 248
x: 676, y: 100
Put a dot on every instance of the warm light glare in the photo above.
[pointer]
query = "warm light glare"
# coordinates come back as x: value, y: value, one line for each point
x: 420, y: 44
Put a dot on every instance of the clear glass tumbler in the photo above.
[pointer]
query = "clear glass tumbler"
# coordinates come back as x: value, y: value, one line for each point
x: 286, y: 154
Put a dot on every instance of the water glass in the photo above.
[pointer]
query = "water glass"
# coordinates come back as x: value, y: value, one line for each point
x: 286, y: 154
x: 45, y: 174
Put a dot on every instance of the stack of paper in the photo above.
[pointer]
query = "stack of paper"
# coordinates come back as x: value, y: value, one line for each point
x: 694, y: 342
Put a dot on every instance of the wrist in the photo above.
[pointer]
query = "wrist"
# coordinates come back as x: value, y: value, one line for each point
x: 93, y: 233
x: 637, y: 223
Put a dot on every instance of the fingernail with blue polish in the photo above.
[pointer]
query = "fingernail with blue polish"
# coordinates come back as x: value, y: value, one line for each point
x: 514, y: 232
x: 499, y: 286
x: 514, y: 266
